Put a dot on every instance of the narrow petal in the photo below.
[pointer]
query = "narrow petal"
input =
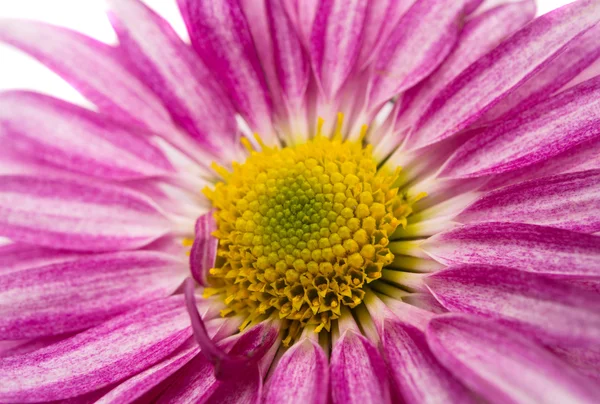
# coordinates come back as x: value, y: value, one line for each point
x: 220, y: 35
x: 291, y: 64
x: 522, y: 246
x: 301, y: 376
x: 16, y: 257
x: 496, y: 74
x: 73, y: 215
x: 98, y: 357
x: 534, y: 135
x: 137, y: 386
x: 77, y: 294
x: 584, y: 156
x: 357, y: 371
x: 478, y: 36
x: 427, y: 32
x: 580, y: 54
x: 175, y: 74
x: 77, y: 139
x: 197, y: 382
x: 204, y: 250
x: 545, y: 309
x: 417, y: 376
x: 569, y: 201
x: 92, y: 68
x: 380, y: 21
x: 335, y: 42
x: 302, y: 13
x: 485, y: 356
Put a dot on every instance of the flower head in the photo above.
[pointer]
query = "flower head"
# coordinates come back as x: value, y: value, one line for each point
x: 347, y: 201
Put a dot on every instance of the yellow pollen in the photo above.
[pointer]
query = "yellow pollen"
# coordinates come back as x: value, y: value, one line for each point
x: 303, y: 229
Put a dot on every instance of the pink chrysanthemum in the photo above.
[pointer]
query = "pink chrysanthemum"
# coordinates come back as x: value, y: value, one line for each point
x: 377, y: 201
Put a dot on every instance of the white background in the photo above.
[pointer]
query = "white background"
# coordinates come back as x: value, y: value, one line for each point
x: 20, y: 71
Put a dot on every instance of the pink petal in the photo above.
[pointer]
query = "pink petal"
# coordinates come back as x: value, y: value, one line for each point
x: 98, y: 357
x: 77, y: 139
x: 534, y: 135
x: 77, y: 294
x: 137, y: 386
x: 568, y: 201
x: 584, y: 156
x: 580, y: 53
x: 335, y: 42
x: 291, y: 64
x: 197, y: 382
x: 93, y: 68
x: 175, y: 74
x: 478, y: 36
x: 357, y: 372
x: 220, y: 35
x: 541, y: 307
x: 506, y: 67
x: 301, y: 376
x: 502, y: 365
x: 75, y: 215
x: 522, y: 246
x: 427, y: 33
x: 16, y: 257
x: 204, y: 250
x: 416, y: 374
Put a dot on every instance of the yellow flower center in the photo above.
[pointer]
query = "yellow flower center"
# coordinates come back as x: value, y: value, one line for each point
x: 302, y: 229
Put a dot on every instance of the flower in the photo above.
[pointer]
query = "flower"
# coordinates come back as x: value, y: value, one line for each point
x: 380, y: 200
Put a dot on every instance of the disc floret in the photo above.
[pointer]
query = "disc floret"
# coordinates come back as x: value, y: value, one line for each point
x: 303, y: 229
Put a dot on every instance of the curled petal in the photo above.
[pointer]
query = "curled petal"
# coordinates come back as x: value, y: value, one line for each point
x: 245, y: 354
x: 204, y: 249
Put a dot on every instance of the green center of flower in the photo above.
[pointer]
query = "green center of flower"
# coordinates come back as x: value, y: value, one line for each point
x: 302, y: 229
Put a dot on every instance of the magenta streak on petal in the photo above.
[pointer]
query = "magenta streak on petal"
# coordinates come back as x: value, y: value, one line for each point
x: 302, y: 14
x: 80, y: 293
x: 17, y: 257
x: 226, y: 364
x: 77, y: 139
x: 478, y: 36
x: 569, y: 201
x: 220, y: 35
x: 92, y: 68
x: 335, y: 42
x: 532, y: 136
x: 379, y: 23
x: 21, y: 347
x: 427, y: 32
x: 204, y: 249
x: 291, y: 65
x: 522, y: 246
x: 67, y: 214
x: 415, y: 373
x: 543, y: 308
x: 142, y: 383
x: 502, y: 365
x: 503, y: 69
x: 98, y: 357
x: 301, y: 376
x: 584, y: 156
x: 197, y: 381
x: 580, y: 53
x: 357, y: 372
x: 173, y: 71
